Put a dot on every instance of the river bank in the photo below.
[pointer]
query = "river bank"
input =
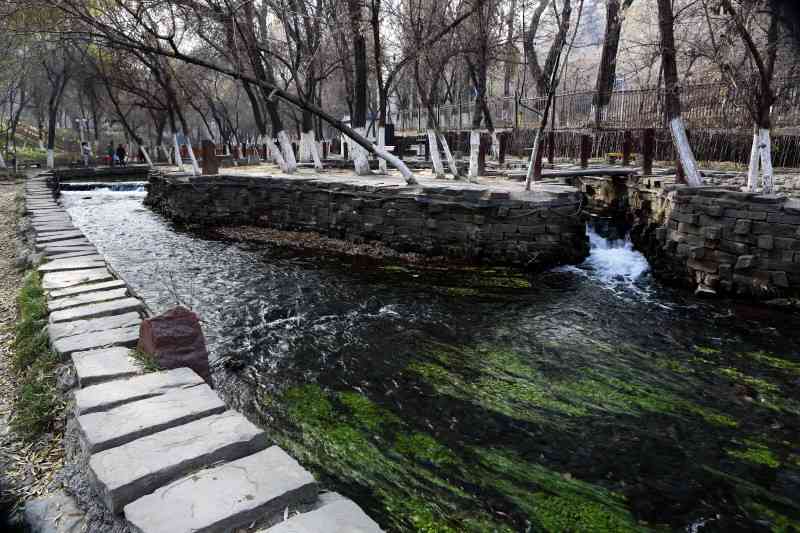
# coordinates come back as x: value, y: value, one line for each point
x: 27, y: 465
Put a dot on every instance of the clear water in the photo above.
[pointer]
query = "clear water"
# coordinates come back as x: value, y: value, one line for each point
x: 586, y: 398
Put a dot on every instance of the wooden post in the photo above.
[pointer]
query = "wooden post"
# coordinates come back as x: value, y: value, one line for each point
x: 627, y: 147
x: 648, y: 148
x: 210, y: 161
x: 551, y: 147
x: 586, y: 150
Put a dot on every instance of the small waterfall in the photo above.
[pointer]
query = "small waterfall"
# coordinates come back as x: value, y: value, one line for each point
x: 614, y: 262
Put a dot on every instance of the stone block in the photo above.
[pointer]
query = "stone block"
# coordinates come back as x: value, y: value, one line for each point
x: 688, y: 228
x: 742, y: 227
x: 86, y: 298
x: 96, y: 310
x: 94, y: 325
x: 55, y: 513
x: 88, y: 341
x: 713, y: 233
x: 779, y: 279
x: 72, y: 263
x: 736, y: 248
x: 702, y: 266
x: 765, y: 242
x: 176, y: 340
x: 338, y: 516
x: 62, y: 280
x: 714, y: 210
x: 108, y: 429
x: 783, y: 243
x: 745, y: 262
x: 123, y: 474
x: 96, y: 366
x: 225, y: 497
x: 90, y: 287
x: 109, y: 395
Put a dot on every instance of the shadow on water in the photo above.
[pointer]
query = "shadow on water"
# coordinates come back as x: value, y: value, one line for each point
x: 586, y: 398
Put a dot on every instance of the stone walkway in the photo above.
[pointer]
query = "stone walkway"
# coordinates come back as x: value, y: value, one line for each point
x: 164, y: 449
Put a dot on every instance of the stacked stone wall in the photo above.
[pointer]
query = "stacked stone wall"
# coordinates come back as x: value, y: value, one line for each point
x: 476, y: 224
x: 717, y: 240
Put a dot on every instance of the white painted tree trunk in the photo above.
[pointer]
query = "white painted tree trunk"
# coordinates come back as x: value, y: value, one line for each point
x: 752, y: 171
x: 474, y: 148
x: 177, y: 151
x: 360, y: 161
x: 239, y: 154
x: 313, y: 148
x: 495, y: 145
x: 227, y: 149
x: 288, y: 152
x: 165, y: 152
x: 451, y: 161
x: 681, y: 141
x: 51, y: 158
x: 397, y: 163
x: 276, y: 154
x: 305, y: 149
x: 195, y: 167
x: 532, y: 163
x: 2, y: 161
x: 41, y: 145
x: 765, y: 149
x: 382, y: 146
x: 146, y: 156
x: 436, y: 159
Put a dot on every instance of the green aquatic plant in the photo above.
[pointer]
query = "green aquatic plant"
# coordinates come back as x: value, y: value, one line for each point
x: 779, y: 523
x: 773, y: 361
x: 424, y: 448
x: 554, y: 501
x: 760, y: 385
x: 756, y: 453
x: 367, y: 413
x: 707, y: 350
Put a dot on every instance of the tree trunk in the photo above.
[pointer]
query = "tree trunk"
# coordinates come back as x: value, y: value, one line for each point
x: 451, y: 161
x: 436, y: 159
x: 765, y: 151
x: 358, y: 119
x: 607, y: 73
x: 752, y: 171
x: 677, y: 126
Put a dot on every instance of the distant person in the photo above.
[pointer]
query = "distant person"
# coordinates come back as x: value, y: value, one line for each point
x: 112, y: 155
x: 86, y: 153
x: 121, y: 155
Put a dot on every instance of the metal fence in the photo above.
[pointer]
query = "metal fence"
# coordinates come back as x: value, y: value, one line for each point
x: 711, y: 106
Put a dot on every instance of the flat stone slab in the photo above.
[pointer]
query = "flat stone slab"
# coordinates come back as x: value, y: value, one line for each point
x: 88, y: 341
x: 70, y: 251
x: 60, y: 265
x: 55, y: 513
x: 110, y: 395
x: 58, y: 236
x: 83, y: 312
x: 97, y: 366
x: 337, y: 516
x: 65, y: 242
x: 86, y: 298
x: 62, y: 280
x: 107, y: 429
x: 123, y: 474
x: 92, y: 325
x: 231, y: 495
x: 90, y: 287
x: 42, y: 227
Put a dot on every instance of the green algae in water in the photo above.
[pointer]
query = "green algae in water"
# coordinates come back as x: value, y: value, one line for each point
x: 756, y: 453
x: 425, y: 449
x: 772, y: 361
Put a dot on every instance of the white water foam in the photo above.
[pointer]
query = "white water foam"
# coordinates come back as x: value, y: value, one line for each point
x: 614, y: 262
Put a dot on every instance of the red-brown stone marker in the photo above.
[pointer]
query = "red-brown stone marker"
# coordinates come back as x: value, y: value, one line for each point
x: 176, y: 340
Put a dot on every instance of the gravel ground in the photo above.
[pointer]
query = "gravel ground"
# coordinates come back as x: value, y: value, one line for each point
x: 26, y: 468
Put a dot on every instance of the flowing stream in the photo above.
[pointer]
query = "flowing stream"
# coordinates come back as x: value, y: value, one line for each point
x: 586, y: 398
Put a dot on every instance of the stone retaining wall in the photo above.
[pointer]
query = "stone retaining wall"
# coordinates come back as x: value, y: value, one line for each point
x: 453, y: 219
x: 718, y: 240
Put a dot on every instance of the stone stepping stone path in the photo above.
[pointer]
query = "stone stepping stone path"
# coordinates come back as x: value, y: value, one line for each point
x: 163, y: 447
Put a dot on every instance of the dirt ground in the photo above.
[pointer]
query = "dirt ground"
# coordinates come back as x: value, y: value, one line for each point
x: 26, y: 468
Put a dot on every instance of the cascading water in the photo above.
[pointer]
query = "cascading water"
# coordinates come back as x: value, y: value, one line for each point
x: 614, y: 261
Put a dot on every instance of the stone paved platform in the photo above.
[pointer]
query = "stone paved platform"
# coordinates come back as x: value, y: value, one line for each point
x: 163, y: 447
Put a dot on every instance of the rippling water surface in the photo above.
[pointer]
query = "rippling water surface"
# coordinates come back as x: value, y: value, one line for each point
x: 586, y: 398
